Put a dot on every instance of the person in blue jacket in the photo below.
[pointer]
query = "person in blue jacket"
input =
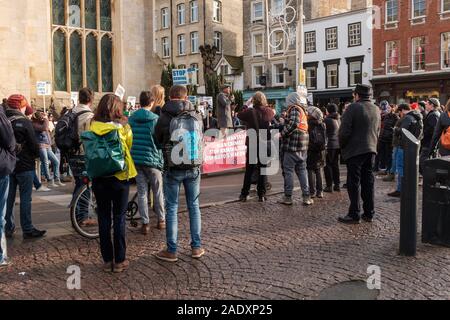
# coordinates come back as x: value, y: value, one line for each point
x: 148, y: 160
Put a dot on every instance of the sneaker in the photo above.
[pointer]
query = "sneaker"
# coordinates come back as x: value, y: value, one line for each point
x: 243, y: 198
x: 328, y: 190
x: 34, y: 234
x: 389, y: 178
x: 348, y: 220
x: 121, y: 267
x: 60, y: 184
x: 198, y: 253
x: 107, y: 267
x: 287, y: 201
x: 43, y: 189
x: 320, y: 195
x: 52, y: 184
x: 161, y: 225
x: 5, y: 264
x: 167, y: 256
x: 395, y: 194
x: 308, y: 201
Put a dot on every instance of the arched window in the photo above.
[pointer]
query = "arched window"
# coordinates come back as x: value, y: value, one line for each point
x: 82, y: 45
x: 58, y: 16
x: 59, y: 60
x: 107, y: 64
x: 92, y: 62
x: 76, y: 64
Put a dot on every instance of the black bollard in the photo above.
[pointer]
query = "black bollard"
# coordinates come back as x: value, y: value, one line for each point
x: 410, y: 195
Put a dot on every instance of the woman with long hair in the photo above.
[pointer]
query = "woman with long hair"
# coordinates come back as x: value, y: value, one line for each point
x: 159, y: 94
x: 112, y: 192
x: 257, y: 118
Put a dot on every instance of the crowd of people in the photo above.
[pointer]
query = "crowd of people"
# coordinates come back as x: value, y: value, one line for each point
x: 148, y: 144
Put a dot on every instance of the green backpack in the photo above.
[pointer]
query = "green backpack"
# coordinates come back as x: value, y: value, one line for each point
x: 104, y: 154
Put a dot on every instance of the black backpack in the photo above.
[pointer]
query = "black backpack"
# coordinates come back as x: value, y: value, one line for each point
x: 416, y: 127
x: 318, y: 137
x: 66, y: 133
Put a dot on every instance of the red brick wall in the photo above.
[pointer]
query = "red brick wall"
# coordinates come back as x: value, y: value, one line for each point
x: 432, y: 30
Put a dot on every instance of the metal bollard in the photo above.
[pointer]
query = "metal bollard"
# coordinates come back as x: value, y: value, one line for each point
x: 410, y: 196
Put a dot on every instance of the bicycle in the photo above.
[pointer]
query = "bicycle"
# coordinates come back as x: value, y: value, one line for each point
x: 133, y: 207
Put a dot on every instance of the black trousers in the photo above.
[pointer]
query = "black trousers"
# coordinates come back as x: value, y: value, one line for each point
x: 360, y: 184
x: 315, y: 181
x: 112, y: 203
x: 262, y: 180
x: 332, y: 171
x: 385, y: 154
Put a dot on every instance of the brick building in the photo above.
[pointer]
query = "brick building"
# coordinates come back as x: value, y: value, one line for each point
x: 411, y: 50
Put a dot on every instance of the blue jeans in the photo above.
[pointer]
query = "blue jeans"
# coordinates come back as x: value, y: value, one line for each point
x: 25, y: 182
x: 172, y: 183
x: 37, y: 184
x: 47, y: 155
x: 399, y: 167
x: 4, y: 186
x: 295, y: 163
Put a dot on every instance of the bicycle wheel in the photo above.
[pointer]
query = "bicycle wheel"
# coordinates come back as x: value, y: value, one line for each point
x: 83, y: 213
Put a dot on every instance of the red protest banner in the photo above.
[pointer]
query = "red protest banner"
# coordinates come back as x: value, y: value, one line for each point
x: 225, y: 154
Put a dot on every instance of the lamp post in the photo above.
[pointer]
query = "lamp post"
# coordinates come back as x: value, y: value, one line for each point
x: 299, y: 41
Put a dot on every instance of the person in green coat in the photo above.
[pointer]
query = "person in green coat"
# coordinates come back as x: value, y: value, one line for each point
x: 148, y: 160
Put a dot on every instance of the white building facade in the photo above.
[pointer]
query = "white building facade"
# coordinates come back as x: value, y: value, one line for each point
x: 338, y: 55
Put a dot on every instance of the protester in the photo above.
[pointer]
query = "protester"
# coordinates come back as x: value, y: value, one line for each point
x: 236, y: 121
x: 7, y: 165
x: 149, y: 162
x: 332, y: 170
x: 316, y: 151
x: 111, y: 192
x: 159, y: 94
x: 432, y: 115
x: 76, y: 157
x: 210, y: 122
x: 412, y: 121
x: 441, y: 133
x: 256, y: 119
x: 294, y: 145
x: 224, y: 119
x: 27, y: 151
x: 176, y: 173
x: 388, y: 121
x: 358, y: 138
x: 46, y: 154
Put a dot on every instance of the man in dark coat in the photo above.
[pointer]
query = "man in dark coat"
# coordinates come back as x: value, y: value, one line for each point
x: 358, y: 138
x: 224, y: 102
x: 433, y: 113
x: 332, y: 172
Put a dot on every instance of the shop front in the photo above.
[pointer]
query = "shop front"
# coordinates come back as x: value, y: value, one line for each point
x: 412, y: 88
x: 274, y: 96
x: 323, y: 98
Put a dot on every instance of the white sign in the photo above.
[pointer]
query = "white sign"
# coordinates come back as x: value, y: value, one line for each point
x: 131, y: 101
x: 180, y: 77
x: 44, y: 88
x: 206, y: 101
x: 74, y: 99
x: 302, y: 91
x: 192, y: 76
x: 120, y: 92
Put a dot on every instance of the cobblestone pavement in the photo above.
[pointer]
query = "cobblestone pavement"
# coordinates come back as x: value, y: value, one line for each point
x: 254, y: 251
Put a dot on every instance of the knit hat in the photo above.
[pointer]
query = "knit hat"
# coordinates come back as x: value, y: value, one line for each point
x: 315, y: 113
x: 17, y: 101
x: 414, y: 106
x: 29, y: 111
x: 294, y: 99
x: 435, y: 102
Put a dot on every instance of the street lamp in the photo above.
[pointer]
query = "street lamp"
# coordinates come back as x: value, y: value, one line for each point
x: 299, y: 49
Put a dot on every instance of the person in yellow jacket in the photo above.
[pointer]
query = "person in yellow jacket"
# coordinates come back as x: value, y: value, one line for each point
x: 112, y: 192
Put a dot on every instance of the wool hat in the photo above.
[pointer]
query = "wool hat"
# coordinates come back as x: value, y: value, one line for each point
x: 294, y: 99
x: 17, y: 101
x: 435, y: 102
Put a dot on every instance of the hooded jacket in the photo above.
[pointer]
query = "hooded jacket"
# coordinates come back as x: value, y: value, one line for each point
x: 295, y: 139
x: 410, y: 122
x: 387, y: 127
x: 28, y: 150
x: 442, y: 125
x: 333, y: 122
x: 144, y: 151
x: 84, y: 121
x: 126, y: 138
x: 172, y: 109
x: 41, y: 129
x: 7, y: 146
x: 429, y: 125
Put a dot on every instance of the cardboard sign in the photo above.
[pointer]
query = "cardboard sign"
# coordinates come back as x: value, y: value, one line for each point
x: 180, y: 77
x: 44, y: 88
x: 192, y: 77
x: 120, y: 92
x: 131, y: 101
x: 74, y: 99
x: 193, y: 100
